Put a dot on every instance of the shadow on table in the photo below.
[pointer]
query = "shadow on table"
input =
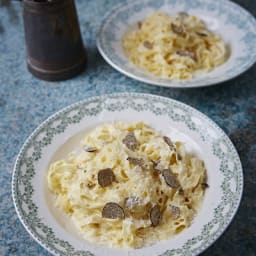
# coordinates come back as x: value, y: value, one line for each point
x: 95, y: 63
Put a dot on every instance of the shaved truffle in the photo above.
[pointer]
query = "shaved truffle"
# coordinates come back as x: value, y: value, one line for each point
x: 113, y: 211
x: 106, y: 177
x: 183, y: 15
x: 204, y: 185
x: 130, y: 141
x: 90, y: 149
x: 136, y: 161
x: 179, y: 157
x: 155, y: 216
x: 179, y: 30
x: 148, y: 45
x: 170, y: 178
x: 184, y: 53
x: 155, y: 163
x: 181, y: 191
x: 201, y: 34
x: 168, y: 141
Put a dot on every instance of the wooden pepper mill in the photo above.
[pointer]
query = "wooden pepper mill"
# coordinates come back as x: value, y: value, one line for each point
x: 53, y: 40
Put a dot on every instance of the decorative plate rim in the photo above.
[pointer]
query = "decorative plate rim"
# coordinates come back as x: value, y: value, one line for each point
x: 164, y: 82
x: 134, y: 96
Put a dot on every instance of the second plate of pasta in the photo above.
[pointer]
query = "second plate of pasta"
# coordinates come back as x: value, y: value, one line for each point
x: 179, y: 44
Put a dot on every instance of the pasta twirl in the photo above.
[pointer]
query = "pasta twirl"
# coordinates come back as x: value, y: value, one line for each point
x: 128, y: 186
x: 174, y: 46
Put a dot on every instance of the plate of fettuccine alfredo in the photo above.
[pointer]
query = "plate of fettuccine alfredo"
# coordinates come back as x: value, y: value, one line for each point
x: 127, y: 174
x: 179, y: 44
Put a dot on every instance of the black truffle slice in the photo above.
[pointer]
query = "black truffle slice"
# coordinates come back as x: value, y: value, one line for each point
x: 179, y: 30
x: 186, y: 54
x: 148, y: 45
x: 136, y: 161
x: 157, y: 166
x: 106, y: 177
x: 130, y: 141
x: 155, y: 163
x: 204, y: 185
x: 181, y: 191
x: 155, y: 216
x: 90, y: 149
x: 202, y: 34
x: 179, y: 157
x: 170, y: 178
x: 169, y: 142
x: 175, y: 211
x: 113, y: 211
x: 183, y: 15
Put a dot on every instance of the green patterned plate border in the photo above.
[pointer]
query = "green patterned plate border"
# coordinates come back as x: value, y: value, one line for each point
x: 194, y: 123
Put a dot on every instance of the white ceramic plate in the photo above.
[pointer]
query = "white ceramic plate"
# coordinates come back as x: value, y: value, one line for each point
x: 60, y: 133
x: 236, y: 26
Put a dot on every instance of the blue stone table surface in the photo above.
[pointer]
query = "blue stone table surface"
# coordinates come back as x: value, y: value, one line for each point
x: 26, y: 101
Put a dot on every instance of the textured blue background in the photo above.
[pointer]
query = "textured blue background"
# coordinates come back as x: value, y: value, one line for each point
x: 26, y: 101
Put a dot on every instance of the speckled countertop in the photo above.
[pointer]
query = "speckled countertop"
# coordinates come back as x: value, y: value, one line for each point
x: 26, y: 101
